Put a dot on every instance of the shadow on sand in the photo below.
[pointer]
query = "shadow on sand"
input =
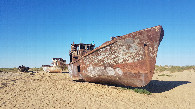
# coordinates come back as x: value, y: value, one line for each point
x: 155, y: 86
x: 65, y: 72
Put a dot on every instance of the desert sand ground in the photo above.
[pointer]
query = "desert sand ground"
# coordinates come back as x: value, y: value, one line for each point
x: 57, y: 90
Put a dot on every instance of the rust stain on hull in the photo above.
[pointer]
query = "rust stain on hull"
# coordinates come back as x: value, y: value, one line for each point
x: 125, y: 60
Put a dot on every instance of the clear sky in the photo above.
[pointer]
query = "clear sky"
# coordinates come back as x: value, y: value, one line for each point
x: 32, y: 32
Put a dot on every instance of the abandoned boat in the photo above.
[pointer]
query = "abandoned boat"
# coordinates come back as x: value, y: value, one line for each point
x: 58, y: 66
x: 23, y: 68
x: 125, y: 60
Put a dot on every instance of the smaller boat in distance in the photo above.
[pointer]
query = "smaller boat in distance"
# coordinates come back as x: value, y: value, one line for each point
x: 23, y: 68
x: 58, y: 66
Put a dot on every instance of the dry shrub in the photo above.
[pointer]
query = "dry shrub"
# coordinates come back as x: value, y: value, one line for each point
x: 14, y: 70
x: 173, y: 69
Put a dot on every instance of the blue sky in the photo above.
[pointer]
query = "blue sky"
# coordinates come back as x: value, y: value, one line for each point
x: 32, y: 32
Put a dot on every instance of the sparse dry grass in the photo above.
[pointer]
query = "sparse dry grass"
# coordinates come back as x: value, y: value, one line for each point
x: 165, y: 75
x: 14, y: 70
x: 173, y: 69
x: 36, y: 69
x: 138, y: 90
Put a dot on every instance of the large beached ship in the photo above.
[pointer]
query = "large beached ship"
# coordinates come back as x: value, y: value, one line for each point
x: 125, y: 60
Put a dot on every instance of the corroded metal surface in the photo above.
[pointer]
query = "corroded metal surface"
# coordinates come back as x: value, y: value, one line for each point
x: 78, y: 50
x: 125, y: 60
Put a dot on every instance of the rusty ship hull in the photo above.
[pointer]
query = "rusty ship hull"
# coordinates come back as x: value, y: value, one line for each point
x: 125, y: 60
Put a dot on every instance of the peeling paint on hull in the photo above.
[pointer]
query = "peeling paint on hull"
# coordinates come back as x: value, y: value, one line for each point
x: 126, y: 60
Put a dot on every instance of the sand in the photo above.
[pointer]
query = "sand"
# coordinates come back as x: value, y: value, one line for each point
x: 57, y: 90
